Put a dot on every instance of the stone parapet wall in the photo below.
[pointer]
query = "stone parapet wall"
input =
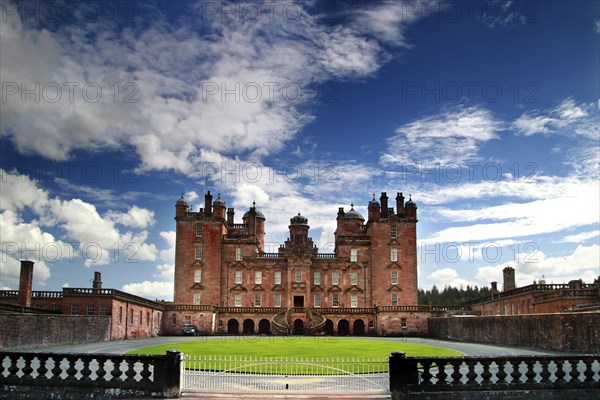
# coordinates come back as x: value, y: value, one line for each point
x: 571, y: 332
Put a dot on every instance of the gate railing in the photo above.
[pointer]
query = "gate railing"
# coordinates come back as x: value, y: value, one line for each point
x: 293, y: 374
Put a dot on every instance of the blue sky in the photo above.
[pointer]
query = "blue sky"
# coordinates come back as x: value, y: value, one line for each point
x: 487, y: 113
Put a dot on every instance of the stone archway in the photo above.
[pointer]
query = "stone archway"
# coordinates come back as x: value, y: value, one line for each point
x: 233, y: 327
x: 343, y: 327
x: 264, y: 327
x: 329, y: 327
x: 358, y: 328
x: 298, y: 327
x: 248, y: 327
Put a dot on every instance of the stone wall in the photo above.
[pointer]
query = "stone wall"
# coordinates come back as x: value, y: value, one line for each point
x: 26, y: 331
x: 571, y: 332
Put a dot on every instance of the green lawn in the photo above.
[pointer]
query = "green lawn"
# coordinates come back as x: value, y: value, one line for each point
x: 293, y: 348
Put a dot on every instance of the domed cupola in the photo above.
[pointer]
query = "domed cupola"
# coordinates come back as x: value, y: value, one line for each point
x: 374, y: 203
x: 253, y: 212
x: 411, y: 209
x: 353, y: 214
x: 181, y: 201
x: 374, y: 209
x: 410, y: 203
x: 181, y: 207
x: 218, y: 201
x: 299, y: 220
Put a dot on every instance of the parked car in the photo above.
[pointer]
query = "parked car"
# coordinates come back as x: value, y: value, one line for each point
x: 191, y: 330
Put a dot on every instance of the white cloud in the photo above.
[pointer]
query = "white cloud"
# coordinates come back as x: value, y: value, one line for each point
x: 567, y: 118
x: 10, y: 270
x: 452, y: 137
x: 135, y: 217
x: 580, y: 237
x: 151, y: 289
x: 448, y: 277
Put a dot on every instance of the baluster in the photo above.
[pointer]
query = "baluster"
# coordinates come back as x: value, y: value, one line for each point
x: 101, y: 372
x: 426, y: 375
x: 2, y: 369
x: 545, y: 374
x: 486, y: 374
x: 56, y: 370
x: 560, y: 374
x: 27, y: 370
x: 589, y: 372
x: 456, y: 375
x: 130, y: 373
x: 441, y: 375
x: 530, y: 374
x: 516, y: 374
x: 501, y: 375
x: 146, y: 372
x: 574, y: 374
x: 42, y: 370
x: 116, y: 371
x: 471, y: 375
x: 86, y: 371
x: 72, y: 371
x: 13, y: 368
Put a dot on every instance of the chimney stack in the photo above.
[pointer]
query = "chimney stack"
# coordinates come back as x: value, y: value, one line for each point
x: 25, y: 283
x: 208, y: 204
x: 400, y: 204
x: 384, y: 205
x: 97, y: 282
x: 494, y: 289
x: 230, y: 216
x: 509, y: 279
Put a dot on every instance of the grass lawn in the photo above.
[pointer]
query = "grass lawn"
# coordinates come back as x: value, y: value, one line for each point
x: 295, y: 347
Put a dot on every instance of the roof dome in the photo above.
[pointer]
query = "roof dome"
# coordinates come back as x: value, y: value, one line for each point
x: 218, y: 201
x: 353, y: 213
x: 410, y: 203
x: 254, y: 212
x: 181, y: 201
x: 374, y: 203
x: 299, y: 220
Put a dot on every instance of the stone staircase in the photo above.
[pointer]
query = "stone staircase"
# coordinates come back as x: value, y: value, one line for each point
x: 281, y: 322
x: 317, y: 322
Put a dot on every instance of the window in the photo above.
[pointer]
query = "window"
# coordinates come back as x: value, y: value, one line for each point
x: 317, y: 278
x: 90, y: 309
x: 298, y: 275
x: 131, y: 316
x: 277, y: 277
x: 238, y: 277
x: 57, y: 308
x: 198, y: 275
x: 394, y: 299
x: 335, y: 278
x: 141, y: 317
x: 335, y: 300
x: 199, y: 230
x: 239, y: 255
x: 394, y: 277
x: 147, y: 318
x: 393, y: 254
x: 353, y: 255
x: 393, y: 232
x: 354, y: 301
x: 102, y: 309
x: 121, y: 315
x: 74, y: 309
x: 198, y: 254
x: 238, y: 299
x: 354, y: 278
x: 277, y: 300
x: 196, y: 298
x: 257, y: 300
x: 187, y: 320
x: 317, y: 300
x: 258, y: 278
x: 403, y: 323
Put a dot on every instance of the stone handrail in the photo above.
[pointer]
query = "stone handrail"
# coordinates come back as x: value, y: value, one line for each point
x: 94, y: 374
x: 493, y: 373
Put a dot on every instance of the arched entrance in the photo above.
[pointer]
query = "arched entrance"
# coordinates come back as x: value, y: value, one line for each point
x: 264, y: 327
x: 248, y: 328
x: 358, y: 328
x: 343, y: 327
x: 298, y: 327
x: 329, y: 327
x: 233, y: 327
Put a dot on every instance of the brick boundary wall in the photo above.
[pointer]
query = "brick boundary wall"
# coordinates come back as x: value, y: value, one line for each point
x: 26, y: 331
x: 571, y: 332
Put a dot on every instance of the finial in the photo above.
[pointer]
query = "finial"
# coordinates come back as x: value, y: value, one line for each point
x: 373, y: 196
x: 351, y: 205
x: 181, y: 194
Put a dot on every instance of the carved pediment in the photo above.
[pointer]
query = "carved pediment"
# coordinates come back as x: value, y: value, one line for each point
x: 334, y: 289
x: 317, y: 289
x: 354, y: 289
x: 258, y: 288
x: 238, y: 288
x: 394, y: 288
x: 277, y: 288
x: 394, y: 264
x: 197, y: 286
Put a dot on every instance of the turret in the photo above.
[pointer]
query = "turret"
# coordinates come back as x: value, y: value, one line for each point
x: 219, y: 207
x: 508, y: 275
x: 410, y: 209
x: 299, y: 230
x: 181, y: 207
x: 374, y: 210
x: 256, y: 225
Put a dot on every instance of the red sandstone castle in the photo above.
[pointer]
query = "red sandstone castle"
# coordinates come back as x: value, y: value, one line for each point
x: 222, y: 264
